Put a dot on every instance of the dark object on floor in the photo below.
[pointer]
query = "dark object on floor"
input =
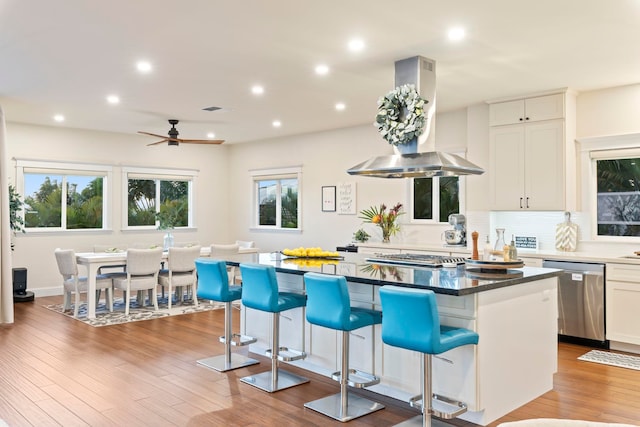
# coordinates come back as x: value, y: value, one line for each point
x: 20, y: 293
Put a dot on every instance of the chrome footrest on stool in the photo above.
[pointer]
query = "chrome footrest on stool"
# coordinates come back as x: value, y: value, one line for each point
x: 357, y: 379
x: 287, y: 355
x: 442, y: 406
x: 238, y: 340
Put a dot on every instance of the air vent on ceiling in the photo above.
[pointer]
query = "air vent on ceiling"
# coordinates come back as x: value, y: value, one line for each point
x: 212, y: 108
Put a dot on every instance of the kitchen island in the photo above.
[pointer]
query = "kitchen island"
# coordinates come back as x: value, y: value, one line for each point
x: 514, y: 313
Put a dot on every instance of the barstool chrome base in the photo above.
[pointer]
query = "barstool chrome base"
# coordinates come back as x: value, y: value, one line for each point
x: 265, y: 381
x: 220, y: 364
x: 419, y: 422
x: 441, y: 406
x: 331, y: 406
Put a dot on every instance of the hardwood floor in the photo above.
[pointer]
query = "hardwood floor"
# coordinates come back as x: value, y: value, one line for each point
x: 58, y: 371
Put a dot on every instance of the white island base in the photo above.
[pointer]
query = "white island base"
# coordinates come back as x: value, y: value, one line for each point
x: 512, y: 364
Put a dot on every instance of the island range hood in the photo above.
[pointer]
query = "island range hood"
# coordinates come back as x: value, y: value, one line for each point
x: 420, y: 72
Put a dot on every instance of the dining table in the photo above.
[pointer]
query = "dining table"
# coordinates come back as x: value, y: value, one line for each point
x: 94, y: 261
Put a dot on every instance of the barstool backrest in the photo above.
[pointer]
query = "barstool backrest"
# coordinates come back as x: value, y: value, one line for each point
x: 213, y: 282
x: 328, y: 302
x: 410, y: 319
x: 259, y: 287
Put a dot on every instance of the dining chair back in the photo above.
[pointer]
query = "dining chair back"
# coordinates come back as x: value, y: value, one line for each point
x: 220, y: 251
x: 181, y: 272
x: 72, y: 282
x: 143, y: 266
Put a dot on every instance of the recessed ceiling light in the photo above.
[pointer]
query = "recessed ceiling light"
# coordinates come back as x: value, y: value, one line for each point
x: 322, y: 69
x: 340, y: 106
x: 58, y: 118
x: 113, y: 99
x: 257, y: 90
x: 276, y: 123
x: 211, y: 135
x: 356, y: 45
x: 144, y: 66
x: 456, y: 33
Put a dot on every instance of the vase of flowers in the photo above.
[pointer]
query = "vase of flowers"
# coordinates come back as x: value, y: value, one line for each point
x: 384, y: 219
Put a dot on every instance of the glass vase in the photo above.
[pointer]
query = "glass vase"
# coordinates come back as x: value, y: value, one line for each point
x: 386, y: 235
x: 168, y: 241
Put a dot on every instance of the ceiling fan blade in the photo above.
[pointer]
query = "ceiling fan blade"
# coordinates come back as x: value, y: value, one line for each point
x: 159, y: 142
x: 152, y: 134
x: 202, y: 141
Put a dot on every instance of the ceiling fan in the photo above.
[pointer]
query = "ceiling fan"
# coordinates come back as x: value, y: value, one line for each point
x: 173, y: 139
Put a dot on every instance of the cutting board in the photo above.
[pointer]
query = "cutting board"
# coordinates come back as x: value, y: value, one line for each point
x: 567, y: 235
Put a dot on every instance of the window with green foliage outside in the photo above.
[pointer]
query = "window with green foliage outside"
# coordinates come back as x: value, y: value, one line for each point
x: 157, y: 202
x: 63, y: 201
x: 435, y: 198
x: 277, y: 203
x: 618, y: 197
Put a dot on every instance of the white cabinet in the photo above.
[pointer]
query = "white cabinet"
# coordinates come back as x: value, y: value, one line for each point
x: 532, y: 153
x: 622, y: 295
x: 527, y: 166
x: 533, y: 109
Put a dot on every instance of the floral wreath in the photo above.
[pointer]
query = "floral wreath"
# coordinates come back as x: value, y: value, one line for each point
x: 400, y: 115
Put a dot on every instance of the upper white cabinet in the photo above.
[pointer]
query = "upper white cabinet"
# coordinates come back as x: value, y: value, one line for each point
x: 532, y: 153
x: 533, y: 109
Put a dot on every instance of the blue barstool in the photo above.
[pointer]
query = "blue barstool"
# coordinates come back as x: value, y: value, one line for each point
x: 260, y: 292
x: 328, y: 305
x: 410, y: 320
x: 213, y: 284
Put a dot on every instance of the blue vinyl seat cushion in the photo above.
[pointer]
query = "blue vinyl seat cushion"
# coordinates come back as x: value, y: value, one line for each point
x: 410, y: 320
x: 261, y: 290
x: 329, y: 305
x: 213, y: 281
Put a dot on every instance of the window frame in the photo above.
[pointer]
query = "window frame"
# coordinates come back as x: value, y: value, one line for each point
x: 256, y: 175
x: 596, y: 154
x: 435, y: 200
x: 158, y: 174
x: 31, y: 166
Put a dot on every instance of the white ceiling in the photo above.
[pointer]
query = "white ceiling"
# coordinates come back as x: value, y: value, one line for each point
x: 66, y: 56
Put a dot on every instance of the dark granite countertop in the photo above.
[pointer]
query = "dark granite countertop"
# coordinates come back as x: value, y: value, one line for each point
x: 355, y: 267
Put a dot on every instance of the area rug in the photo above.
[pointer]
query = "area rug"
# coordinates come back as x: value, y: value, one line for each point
x: 136, y: 313
x: 613, y: 359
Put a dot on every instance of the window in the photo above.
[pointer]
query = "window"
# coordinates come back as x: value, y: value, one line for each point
x: 276, y: 198
x: 434, y: 199
x: 617, y: 192
x: 158, y: 198
x: 63, y: 196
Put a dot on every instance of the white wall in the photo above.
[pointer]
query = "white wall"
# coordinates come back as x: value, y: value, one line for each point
x: 35, y: 251
x: 325, y: 157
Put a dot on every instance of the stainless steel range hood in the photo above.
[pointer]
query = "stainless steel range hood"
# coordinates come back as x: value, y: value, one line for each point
x: 420, y: 72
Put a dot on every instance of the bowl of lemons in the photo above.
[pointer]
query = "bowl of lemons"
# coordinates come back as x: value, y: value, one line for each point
x: 311, y: 252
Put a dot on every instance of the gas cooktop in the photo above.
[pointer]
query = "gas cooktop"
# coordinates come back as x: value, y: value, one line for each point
x: 419, y: 260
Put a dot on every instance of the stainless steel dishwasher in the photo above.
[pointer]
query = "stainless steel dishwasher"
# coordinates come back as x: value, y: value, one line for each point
x: 581, y: 308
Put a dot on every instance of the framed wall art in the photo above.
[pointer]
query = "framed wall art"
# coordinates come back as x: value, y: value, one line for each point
x: 329, y: 199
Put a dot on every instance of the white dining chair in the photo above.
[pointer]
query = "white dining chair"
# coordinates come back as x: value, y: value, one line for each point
x: 143, y: 266
x: 73, y: 283
x: 219, y: 251
x: 181, y: 273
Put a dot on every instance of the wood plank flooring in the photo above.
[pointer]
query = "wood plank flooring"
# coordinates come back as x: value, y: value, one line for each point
x: 58, y: 371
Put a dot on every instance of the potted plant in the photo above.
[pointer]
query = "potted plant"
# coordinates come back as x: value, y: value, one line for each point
x: 15, y: 206
x: 361, y: 236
